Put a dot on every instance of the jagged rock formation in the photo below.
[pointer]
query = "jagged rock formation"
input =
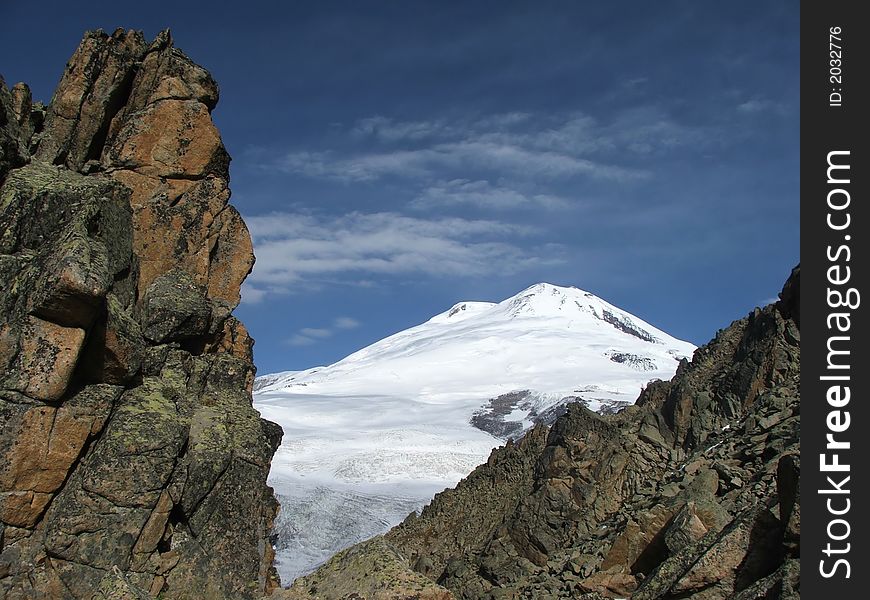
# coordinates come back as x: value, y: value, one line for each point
x: 131, y: 457
x: 691, y: 493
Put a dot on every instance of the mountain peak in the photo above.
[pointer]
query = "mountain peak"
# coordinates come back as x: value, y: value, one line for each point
x: 545, y: 288
x: 545, y: 300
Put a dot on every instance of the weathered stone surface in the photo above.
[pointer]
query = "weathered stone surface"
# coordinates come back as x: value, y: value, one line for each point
x: 94, y: 86
x: 667, y: 499
x: 12, y: 151
x: 159, y: 141
x: 788, y: 476
x: 232, y: 338
x: 47, y: 358
x: 132, y: 462
x: 373, y: 570
x: 44, y: 442
x: 174, y: 308
x: 141, y: 113
x: 165, y: 74
x: 685, y: 529
x: 784, y: 584
x: 609, y: 583
x: 636, y: 537
x: 115, y: 586
x: 28, y: 115
x: 116, y: 347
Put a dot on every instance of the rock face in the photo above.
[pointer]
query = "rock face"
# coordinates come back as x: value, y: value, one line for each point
x: 691, y: 493
x: 131, y: 458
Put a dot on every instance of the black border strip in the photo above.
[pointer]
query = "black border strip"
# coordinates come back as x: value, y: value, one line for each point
x: 834, y: 265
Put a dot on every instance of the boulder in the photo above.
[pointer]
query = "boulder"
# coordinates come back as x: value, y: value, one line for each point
x: 174, y: 308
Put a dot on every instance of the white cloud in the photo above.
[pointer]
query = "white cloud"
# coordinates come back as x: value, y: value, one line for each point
x: 311, y: 335
x: 389, y: 130
x: 313, y: 332
x: 489, y: 154
x: 345, y: 323
x: 483, y: 194
x: 295, y: 249
x: 519, y: 144
x: 760, y: 105
x: 635, y: 82
x: 300, y: 340
x: 252, y: 294
x: 496, y: 163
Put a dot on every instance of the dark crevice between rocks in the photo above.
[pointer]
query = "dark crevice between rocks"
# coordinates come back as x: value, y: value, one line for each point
x: 654, y: 554
x: 175, y: 176
x: 176, y: 518
x: 484, y: 574
x: 194, y: 346
x: 114, y: 103
x: 218, y: 165
x: 122, y: 274
x: 176, y: 201
x: 60, y: 160
x: 202, y: 344
x: 213, y: 252
x: 91, y: 360
x: 766, y: 551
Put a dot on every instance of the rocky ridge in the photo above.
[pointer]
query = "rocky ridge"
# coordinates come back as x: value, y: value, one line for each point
x: 131, y: 457
x: 693, y: 492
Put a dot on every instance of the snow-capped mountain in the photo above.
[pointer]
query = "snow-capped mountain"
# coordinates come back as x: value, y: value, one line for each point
x: 372, y: 437
x: 553, y: 340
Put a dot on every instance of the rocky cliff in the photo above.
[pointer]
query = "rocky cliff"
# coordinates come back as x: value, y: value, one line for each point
x: 130, y: 454
x: 691, y: 493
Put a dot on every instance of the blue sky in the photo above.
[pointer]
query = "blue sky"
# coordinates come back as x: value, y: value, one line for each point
x: 393, y: 158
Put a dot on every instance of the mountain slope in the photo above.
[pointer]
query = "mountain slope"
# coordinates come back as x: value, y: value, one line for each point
x: 372, y: 437
x: 692, y: 493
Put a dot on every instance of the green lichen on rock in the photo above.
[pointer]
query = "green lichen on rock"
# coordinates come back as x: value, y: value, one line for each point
x: 174, y: 308
x: 373, y: 570
x: 133, y: 461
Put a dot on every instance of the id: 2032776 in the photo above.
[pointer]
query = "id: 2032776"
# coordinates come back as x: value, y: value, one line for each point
x: 835, y: 66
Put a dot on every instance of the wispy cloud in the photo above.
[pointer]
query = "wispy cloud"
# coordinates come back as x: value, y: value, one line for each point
x: 635, y: 82
x: 483, y: 194
x: 316, y: 332
x: 389, y: 130
x: 520, y: 166
x: 300, y: 340
x: 761, y: 105
x: 293, y: 249
x: 311, y: 335
x: 346, y: 323
x: 487, y: 154
x: 519, y: 144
